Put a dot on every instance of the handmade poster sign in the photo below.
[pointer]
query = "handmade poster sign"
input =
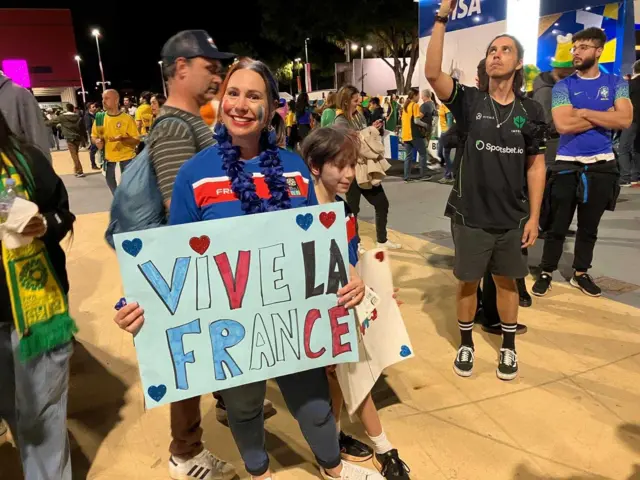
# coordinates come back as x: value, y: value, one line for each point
x: 233, y: 301
x: 382, y: 336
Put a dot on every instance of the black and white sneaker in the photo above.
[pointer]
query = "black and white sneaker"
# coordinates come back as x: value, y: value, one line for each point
x: 354, y: 450
x: 204, y: 466
x: 508, y: 365
x: 542, y: 285
x: 585, y: 283
x: 391, y: 466
x: 463, y: 364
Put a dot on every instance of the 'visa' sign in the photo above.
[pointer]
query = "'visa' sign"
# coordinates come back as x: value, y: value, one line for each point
x: 466, y: 8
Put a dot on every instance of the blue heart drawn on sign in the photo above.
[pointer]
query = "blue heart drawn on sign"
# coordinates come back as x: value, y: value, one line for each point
x: 405, y: 351
x: 304, y: 221
x: 132, y: 247
x: 157, y: 392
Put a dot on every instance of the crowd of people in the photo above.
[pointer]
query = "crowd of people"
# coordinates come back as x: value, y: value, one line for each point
x: 493, y: 146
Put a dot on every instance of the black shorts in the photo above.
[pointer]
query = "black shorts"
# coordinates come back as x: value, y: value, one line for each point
x: 479, y: 250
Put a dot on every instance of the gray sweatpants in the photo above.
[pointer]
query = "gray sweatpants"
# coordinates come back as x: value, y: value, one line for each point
x: 33, y: 401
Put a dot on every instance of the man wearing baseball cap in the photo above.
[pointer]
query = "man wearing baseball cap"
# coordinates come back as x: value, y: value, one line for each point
x: 193, y: 72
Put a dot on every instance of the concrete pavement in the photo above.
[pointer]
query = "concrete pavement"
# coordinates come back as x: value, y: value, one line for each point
x: 572, y: 413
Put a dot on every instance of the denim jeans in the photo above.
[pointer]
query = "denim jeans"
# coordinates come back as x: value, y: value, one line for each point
x: 33, y: 401
x: 628, y: 158
x: 416, y: 146
x: 307, y: 397
x: 111, y: 173
x: 92, y: 154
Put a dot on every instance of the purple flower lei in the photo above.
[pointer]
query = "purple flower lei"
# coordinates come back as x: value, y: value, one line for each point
x: 242, y: 182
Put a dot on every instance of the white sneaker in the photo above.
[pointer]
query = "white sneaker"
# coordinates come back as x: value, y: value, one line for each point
x: 361, y: 249
x: 353, y: 472
x: 201, y: 467
x: 389, y: 245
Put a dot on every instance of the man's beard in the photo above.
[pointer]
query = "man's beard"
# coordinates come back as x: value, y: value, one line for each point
x: 586, y: 64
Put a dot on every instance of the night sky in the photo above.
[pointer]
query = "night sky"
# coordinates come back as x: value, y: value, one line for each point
x: 132, y: 38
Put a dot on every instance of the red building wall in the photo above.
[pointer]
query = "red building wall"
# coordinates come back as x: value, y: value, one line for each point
x: 45, y: 39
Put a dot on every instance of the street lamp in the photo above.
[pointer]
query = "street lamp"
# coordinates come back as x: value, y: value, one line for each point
x: 355, y: 47
x: 84, y: 98
x: 96, y: 33
x: 164, y: 87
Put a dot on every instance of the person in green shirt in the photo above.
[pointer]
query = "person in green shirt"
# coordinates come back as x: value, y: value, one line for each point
x: 392, y: 115
x: 328, y: 110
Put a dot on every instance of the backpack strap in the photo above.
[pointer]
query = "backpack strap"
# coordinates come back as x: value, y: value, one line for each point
x: 180, y: 119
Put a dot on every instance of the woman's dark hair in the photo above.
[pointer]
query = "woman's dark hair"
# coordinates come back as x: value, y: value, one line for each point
x: 483, y: 78
x: 160, y: 98
x: 375, y: 101
x: 343, y: 102
x: 11, y: 145
x: 414, y: 92
x: 518, y: 79
x: 302, y: 102
x: 592, y: 33
x: 146, y: 96
x: 336, y: 145
x: 271, y: 86
x: 292, y: 105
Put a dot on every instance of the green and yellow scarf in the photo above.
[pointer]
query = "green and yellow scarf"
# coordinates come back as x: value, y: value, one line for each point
x: 38, y: 302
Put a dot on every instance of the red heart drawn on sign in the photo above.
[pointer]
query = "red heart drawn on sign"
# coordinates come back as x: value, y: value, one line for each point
x: 380, y: 256
x: 327, y: 219
x: 200, y: 245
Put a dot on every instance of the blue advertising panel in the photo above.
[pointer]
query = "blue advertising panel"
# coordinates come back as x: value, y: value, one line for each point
x: 468, y: 13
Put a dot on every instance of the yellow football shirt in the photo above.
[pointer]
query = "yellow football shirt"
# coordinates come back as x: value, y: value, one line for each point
x: 144, y: 115
x: 290, y: 120
x: 115, y: 126
x: 413, y: 110
x: 442, y: 114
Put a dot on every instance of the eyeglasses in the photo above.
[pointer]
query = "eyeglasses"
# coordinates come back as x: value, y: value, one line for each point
x: 582, y: 48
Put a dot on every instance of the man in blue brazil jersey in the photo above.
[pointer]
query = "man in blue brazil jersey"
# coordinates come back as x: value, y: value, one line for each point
x: 587, y: 107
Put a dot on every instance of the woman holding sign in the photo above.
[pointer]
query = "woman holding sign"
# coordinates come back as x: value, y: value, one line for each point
x: 251, y: 176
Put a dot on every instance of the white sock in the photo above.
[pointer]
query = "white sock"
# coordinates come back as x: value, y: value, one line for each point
x: 381, y: 444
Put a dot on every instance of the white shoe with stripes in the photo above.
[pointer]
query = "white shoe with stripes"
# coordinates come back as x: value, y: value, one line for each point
x: 204, y: 466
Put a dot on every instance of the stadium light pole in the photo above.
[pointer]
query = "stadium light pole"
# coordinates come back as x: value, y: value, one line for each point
x: 84, y: 97
x: 96, y: 33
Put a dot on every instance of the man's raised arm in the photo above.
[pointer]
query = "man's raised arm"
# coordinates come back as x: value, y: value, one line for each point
x: 441, y: 83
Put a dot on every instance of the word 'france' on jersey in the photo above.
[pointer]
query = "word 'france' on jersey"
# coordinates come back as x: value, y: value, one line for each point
x: 599, y: 94
x: 491, y: 189
x: 203, y: 190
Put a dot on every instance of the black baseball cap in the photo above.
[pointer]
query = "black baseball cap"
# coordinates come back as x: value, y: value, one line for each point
x: 192, y: 44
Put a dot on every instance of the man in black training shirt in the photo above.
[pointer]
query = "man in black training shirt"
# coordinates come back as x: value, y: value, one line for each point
x: 495, y: 203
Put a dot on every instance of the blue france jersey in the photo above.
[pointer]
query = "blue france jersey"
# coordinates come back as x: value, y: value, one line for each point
x: 599, y: 94
x: 202, y: 190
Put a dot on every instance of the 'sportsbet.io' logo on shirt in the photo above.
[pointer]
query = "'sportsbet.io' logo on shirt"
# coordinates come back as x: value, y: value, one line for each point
x: 480, y: 146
